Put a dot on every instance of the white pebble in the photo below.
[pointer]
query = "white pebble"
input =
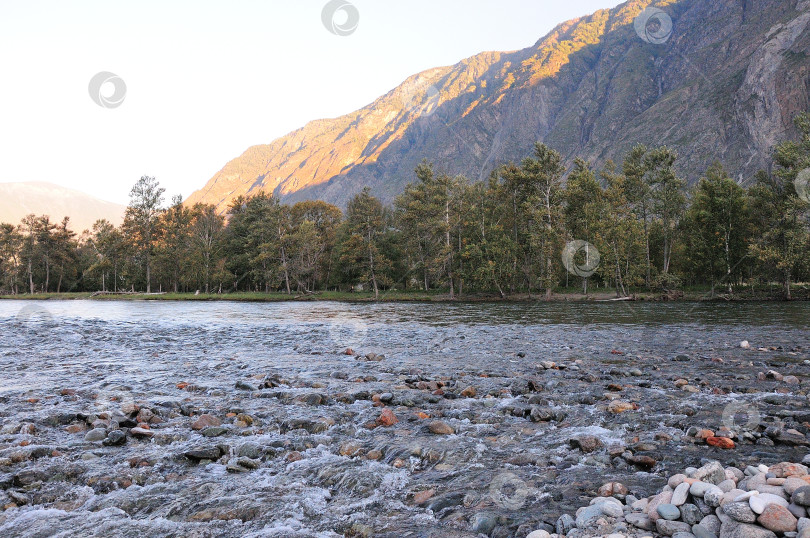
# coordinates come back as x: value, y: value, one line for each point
x: 759, y: 502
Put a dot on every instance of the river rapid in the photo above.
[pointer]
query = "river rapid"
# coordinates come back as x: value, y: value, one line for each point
x: 151, y: 418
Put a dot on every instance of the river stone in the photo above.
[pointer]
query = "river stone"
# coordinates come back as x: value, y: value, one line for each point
x: 727, y: 485
x: 204, y: 421
x: 539, y: 534
x: 680, y: 494
x: 115, y: 438
x: 668, y: 511
x: 778, y: 519
x: 712, y: 473
x: 804, y: 523
x: 484, y: 522
x: 699, y: 488
x: 588, y: 515
x: 796, y: 510
x: 249, y: 450
x: 801, y: 496
x: 96, y: 434
x: 662, y: 498
x: 691, y: 514
x: 565, y: 524
x: 759, y: 502
x: 773, y: 490
x: 440, y: 428
x: 642, y: 521
x: 745, y: 496
x: 668, y: 527
x: 792, y: 484
x: 676, y: 480
x: 203, y: 453
x: 732, y: 473
x: 744, y: 530
x: 711, y: 523
x: 611, y: 509
x: 713, y: 496
x: 740, y: 512
x: 214, y: 431
x: 702, y: 532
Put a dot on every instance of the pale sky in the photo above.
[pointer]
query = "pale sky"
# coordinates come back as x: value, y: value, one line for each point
x: 207, y: 79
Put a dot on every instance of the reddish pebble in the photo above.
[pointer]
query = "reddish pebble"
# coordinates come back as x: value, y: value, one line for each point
x: 720, y: 442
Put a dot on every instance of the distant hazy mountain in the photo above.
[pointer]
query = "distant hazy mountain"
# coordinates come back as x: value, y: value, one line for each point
x: 19, y: 199
x: 724, y: 84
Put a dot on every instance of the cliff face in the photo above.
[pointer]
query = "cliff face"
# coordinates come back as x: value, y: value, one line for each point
x: 724, y: 85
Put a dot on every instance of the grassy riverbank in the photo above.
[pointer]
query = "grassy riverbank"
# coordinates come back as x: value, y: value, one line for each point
x: 800, y: 292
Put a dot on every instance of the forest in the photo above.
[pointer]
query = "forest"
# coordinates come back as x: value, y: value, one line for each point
x: 533, y: 228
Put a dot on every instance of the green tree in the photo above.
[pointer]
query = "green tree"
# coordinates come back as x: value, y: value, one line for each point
x: 141, y: 221
x: 585, y: 206
x: 717, y: 222
x: 365, y: 225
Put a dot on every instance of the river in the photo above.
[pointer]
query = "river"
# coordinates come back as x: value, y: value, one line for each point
x: 298, y: 443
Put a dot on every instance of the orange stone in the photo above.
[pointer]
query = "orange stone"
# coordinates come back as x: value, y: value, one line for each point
x: 422, y: 415
x: 387, y: 418
x: 704, y: 434
x: 720, y: 442
x: 422, y: 496
x: 182, y: 385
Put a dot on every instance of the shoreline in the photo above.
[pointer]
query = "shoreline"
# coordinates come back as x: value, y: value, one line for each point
x: 801, y: 294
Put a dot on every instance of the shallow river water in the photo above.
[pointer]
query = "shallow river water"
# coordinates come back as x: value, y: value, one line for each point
x: 297, y: 436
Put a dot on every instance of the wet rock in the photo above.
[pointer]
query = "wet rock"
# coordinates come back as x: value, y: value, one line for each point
x: 115, y: 438
x: 440, y: 428
x: 205, y: 421
x: 619, y: 406
x: 96, y: 434
x: 212, y: 431
x: 203, y: 453
x: 311, y: 399
x: 586, y: 443
x: 720, y: 442
x: 484, y: 522
x: 565, y: 524
x: 387, y: 418
x: 249, y: 450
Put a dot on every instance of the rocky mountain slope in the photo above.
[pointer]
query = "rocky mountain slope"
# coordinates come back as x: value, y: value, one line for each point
x: 20, y: 199
x: 724, y: 84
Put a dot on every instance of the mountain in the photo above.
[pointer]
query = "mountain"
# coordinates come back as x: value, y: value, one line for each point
x: 724, y: 85
x: 20, y: 199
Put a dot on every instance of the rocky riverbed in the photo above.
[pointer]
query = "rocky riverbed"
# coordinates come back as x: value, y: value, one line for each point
x: 380, y: 420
